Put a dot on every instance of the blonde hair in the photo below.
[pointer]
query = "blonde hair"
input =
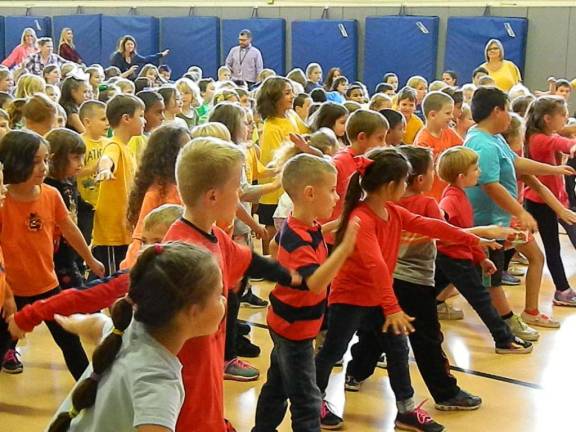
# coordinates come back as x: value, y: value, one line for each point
x: 66, y: 69
x: 435, y: 101
x: 265, y: 73
x: 324, y: 139
x: 28, y: 31
x: 187, y: 86
x: 39, y: 108
x: 437, y: 86
x: 223, y: 69
x: 28, y: 85
x: 455, y: 161
x: 415, y: 81
x: 515, y: 128
x: 496, y: 42
x: 466, y: 112
x: 125, y: 86
x: 165, y: 215
x: 304, y: 170
x: 204, y: 164
x: 4, y: 115
x: 379, y: 102
x: 62, y: 33
x: 211, y: 129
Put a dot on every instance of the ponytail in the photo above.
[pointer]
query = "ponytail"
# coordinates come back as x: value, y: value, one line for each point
x: 84, y: 395
x: 353, y: 196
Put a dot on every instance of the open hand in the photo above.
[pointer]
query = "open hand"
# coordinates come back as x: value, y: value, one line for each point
x: 400, y: 323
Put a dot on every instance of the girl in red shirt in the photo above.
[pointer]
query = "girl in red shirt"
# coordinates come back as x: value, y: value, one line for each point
x: 545, y: 118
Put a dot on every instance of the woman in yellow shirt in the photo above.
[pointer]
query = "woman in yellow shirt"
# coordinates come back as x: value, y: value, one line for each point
x: 274, y: 104
x: 504, y: 73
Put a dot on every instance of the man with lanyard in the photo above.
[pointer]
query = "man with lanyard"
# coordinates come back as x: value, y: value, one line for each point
x: 244, y: 60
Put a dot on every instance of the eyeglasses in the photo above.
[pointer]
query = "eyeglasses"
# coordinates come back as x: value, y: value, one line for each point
x: 494, y: 49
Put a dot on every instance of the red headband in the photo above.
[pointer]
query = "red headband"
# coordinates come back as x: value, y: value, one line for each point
x: 362, y: 164
x: 158, y: 249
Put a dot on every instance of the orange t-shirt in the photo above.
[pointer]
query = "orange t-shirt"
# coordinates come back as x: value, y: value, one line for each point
x: 448, y: 138
x: 2, y: 281
x: 27, y: 231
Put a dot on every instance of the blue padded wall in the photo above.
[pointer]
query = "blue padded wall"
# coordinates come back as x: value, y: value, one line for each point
x: 145, y: 30
x: 14, y: 25
x: 332, y: 43
x: 406, y: 45
x: 196, y: 42
x: 268, y: 34
x: 2, y: 37
x: 87, y: 36
x: 467, y: 36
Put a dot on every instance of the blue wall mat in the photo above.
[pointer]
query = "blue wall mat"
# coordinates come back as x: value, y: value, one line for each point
x: 268, y: 34
x: 332, y: 43
x: 467, y: 36
x: 14, y: 25
x: 86, y: 30
x: 2, y: 37
x: 191, y: 41
x: 143, y: 28
x: 406, y: 45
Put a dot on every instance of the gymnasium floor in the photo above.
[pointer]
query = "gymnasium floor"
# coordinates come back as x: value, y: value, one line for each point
x: 528, y: 393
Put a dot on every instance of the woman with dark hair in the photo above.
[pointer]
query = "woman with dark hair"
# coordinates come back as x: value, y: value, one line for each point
x: 127, y: 59
x: 333, y: 73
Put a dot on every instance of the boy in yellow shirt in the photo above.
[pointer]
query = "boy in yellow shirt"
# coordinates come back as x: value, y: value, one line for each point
x: 93, y: 117
x: 407, y: 106
x: 111, y: 235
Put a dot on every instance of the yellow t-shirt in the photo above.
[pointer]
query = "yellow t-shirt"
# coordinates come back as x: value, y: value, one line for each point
x: 137, y: 145
x: 274, y: 134
x: 87, y: 185
x: 506, y: 77
x: 413, y: 126
x: 110, y: 224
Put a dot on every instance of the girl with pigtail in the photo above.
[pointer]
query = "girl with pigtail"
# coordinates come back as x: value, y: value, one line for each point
x: 135, y: 380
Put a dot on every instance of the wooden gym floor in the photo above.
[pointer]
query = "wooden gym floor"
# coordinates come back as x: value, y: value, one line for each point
x: 528, y: 393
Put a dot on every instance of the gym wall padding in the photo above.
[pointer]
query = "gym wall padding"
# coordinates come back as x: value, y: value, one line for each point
x: 144, y: 29
x: 86, y: 29
x: 268, y: 35
x: 191, y: 41
x: 14, y: 25
x: 2, y: 36
x: 406, y: 45
x: 332, y: 43
x: 466, y: 38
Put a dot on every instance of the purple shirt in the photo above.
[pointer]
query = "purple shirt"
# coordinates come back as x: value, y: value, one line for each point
x: 245, y: 63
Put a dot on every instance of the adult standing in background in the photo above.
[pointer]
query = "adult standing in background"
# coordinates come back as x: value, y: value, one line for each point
x: 127, y: 59
x: 245, y: 60
x: 26, y: 48
x: 66, y: 47
x: 504, y: 73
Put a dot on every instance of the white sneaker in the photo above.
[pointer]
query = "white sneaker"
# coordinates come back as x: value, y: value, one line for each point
x: 540, y: 320
x: 449, y: 313
x: 521, y: 330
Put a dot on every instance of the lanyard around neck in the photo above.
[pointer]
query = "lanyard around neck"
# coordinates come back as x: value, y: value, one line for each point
x: 242, y: 58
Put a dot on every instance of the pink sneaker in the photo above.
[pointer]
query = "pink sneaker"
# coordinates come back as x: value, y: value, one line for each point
x: 238, y: 370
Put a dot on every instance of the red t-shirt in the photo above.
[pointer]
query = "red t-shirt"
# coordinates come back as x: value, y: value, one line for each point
x: 202, y: 358
x: 448, y: 138
x: 296, y: 313
x: 459, y: 212
x: 366, y: 277
x: 543, y: 148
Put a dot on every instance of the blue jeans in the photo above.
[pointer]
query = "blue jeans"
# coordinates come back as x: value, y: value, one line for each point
x: 344, y: 321
x: 291, y: 376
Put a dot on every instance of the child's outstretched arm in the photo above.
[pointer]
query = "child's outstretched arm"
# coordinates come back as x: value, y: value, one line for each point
x: 75, y: 238
x: 504, y: 200
x: 563, y: 213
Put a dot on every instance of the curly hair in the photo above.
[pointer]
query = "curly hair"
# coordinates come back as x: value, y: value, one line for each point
x: 157, y: 166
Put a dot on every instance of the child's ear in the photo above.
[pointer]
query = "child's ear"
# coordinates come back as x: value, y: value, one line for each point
x: 308, y: 192
x: 211, y: 196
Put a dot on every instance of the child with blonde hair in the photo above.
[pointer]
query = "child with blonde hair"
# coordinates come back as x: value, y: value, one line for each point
x: 190, y: 101
x: 29, y: 85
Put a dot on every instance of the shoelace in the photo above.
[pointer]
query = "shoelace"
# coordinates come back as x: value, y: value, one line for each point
x: 241, y: 364
x: 324, y: 409
x: 11, y: 356
x: 422, y: 416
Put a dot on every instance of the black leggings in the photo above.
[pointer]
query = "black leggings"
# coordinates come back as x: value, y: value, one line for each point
x: 548, y: 226
x: 74, y: 354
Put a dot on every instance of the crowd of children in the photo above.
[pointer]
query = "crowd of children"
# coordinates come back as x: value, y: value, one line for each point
x: 147, y: 196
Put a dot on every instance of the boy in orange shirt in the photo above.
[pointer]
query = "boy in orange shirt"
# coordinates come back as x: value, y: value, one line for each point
x: 437, y: 134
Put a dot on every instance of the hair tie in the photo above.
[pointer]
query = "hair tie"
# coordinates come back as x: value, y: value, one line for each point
x: 362, y: 164
x: 95, y: 377
x: 73, y: 412
x: 117, y: 332
x: 158, y: 249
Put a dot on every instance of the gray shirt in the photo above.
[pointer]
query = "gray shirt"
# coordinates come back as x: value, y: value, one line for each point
x: 142, y: 387
x: 245, y: 63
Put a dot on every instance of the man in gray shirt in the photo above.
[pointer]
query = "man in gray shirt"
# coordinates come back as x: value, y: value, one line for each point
x: 245, y: 60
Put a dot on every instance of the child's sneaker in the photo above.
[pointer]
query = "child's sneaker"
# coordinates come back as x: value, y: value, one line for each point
x: 352, y: 384
x: 417, y: 421
x: 565, y: 298
x: 382, y: 363
x: 515, y: 270
x: 515, y: 346
x: 237, y: 370
x: 12, y: 364
x: 245, y: 348
x: 463, y: 401
x: 509, y: 280
x: 251, y: 300
x: 521, y: 330
x: 449, y: 313
x: 329, y: 420
x: 339, y: 363
x: 540, y: 320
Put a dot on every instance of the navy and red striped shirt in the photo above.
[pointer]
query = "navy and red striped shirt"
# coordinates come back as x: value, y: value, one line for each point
x: 296, y: 313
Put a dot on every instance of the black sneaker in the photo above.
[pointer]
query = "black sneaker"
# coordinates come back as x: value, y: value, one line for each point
x: 463, y: 401
x: 243, y: 328
x: 382, y: 363
x: 516, y: 346
x: 352, y: 384
x: 417, y: 421
x: 11, y: 363
x: 329, y: 420
x: 245, y: 348
x: 251, y: 300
